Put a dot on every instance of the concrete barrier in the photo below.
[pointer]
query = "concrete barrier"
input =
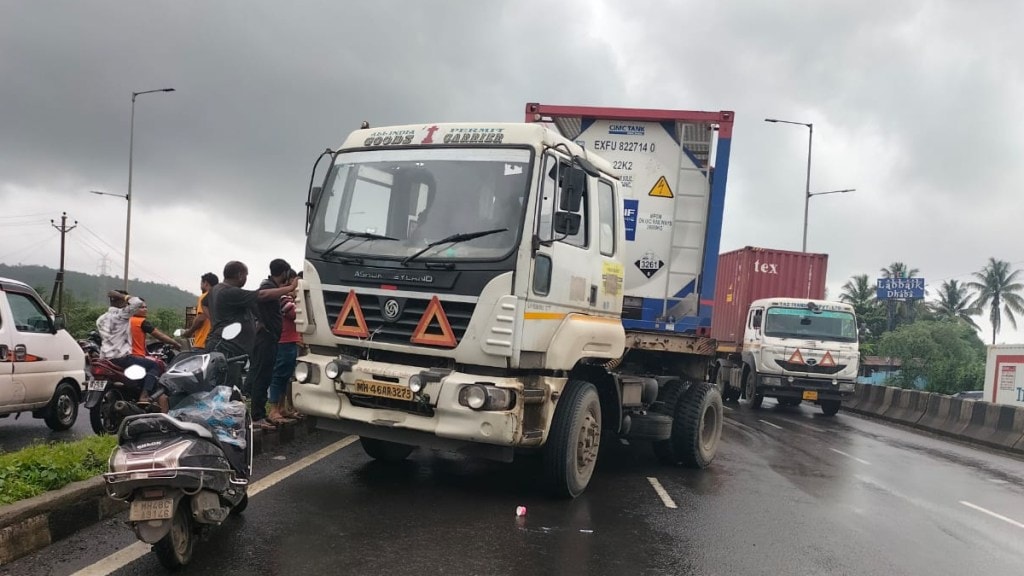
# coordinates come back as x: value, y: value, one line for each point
x: 889, y: 395
x: 995, y: 425
x: 859, y: 395
x: 936, y: 413
x: 908, y: 407
x: 872, y: 402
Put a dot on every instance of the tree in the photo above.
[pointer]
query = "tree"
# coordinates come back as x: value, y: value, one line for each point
x: 947, y: 357
x: 954, y: 304
x: 899, y: 270
x: 999, y: 289
x: 901, y: 311
x: 859, y: 292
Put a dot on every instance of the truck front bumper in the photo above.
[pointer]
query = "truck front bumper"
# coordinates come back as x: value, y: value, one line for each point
x: 796, y: 387
x: 375, y: 399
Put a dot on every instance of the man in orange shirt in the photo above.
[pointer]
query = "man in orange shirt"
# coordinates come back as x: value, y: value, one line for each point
x: 200, y: 327
x: 140, y: 326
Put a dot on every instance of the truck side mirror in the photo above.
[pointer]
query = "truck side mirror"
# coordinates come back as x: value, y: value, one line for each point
x: 567, y: 223
x: 757, y: 322
x: 574, y: 185
x: 59, y: 323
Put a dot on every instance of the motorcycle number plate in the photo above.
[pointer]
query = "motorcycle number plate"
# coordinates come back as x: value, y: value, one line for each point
x: 142, y: 510
x: 97, y: 385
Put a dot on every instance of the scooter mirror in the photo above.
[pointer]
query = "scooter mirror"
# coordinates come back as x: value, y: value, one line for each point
x: 135, y: 372
x: 231, y: 331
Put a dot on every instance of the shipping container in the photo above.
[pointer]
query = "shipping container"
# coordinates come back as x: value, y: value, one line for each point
x: 1004, y: 375
x: 750, y: 274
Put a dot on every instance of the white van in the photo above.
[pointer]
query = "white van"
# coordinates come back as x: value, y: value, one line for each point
x: 42, y: 368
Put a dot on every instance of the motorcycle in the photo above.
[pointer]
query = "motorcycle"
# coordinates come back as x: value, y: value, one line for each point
x: 110, y: 395
x: 186, y: 471
x: 91, y: 346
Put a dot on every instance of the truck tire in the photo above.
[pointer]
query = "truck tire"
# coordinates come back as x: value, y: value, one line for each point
x: 63, y: 409
x: 830, y: 407
x: 696, y: 428
x: 570, y: 453
x: 750, y: 390
x: 385, y: 451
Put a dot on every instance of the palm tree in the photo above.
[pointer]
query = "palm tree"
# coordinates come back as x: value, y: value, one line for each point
x: 859, y: 292
x: 899, y: 270
x: 999, y: 290
x: 955, y: 303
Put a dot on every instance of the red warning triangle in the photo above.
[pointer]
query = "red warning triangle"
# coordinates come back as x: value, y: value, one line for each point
x: 434, y: 312
x: 797, y: 358
x: 827, y: 360
x: 342, y: 326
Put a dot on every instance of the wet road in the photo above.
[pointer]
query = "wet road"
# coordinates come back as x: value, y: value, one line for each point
x: 17, y: 434
x: 791, y: 492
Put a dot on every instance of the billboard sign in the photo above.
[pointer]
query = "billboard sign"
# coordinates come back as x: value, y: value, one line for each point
x: 900, y: 289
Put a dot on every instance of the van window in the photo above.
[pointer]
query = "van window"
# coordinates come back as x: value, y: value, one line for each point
x: 29, y: 316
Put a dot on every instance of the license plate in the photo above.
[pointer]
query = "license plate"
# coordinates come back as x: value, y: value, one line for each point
x: 810, y: 394
x: 382, y: 390
x: 97, y: 385
x: 143, y: 510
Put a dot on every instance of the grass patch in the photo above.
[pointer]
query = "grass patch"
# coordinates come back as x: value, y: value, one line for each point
x: 44, y: 467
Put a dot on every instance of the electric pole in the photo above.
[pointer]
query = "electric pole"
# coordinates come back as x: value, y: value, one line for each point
x: 58, y: 284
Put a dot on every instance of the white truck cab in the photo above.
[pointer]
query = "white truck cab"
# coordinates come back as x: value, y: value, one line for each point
x: 42, y: 368
x: 797, y: 349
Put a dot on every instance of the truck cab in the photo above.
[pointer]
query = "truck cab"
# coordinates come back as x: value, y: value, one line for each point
x: 796, y: 350
x: 42, y: 368
x: 458, y: 280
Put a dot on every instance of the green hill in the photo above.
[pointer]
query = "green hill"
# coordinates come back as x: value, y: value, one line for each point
x: 93, y: 289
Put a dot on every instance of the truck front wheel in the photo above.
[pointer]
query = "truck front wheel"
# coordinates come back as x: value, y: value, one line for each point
x: 830, y: 407
x: 385, y: 451
x: 570, y: 453
x: 696, y: 428
x: 750, y: 389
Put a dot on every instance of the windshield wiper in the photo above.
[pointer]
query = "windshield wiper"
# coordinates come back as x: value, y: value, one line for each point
x: 350, y: 235
x: 453, y: 239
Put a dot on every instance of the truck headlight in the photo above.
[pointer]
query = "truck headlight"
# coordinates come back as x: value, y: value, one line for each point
x: 303, y: 372
x: 416, y: 383
x: 332, y: 370
x: 486, y: 396
x: 771, y: 381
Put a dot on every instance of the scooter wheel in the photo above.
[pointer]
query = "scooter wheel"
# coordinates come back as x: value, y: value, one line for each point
x: 175, y: 549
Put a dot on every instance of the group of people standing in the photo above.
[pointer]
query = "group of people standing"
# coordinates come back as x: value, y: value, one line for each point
x: 268, y: 335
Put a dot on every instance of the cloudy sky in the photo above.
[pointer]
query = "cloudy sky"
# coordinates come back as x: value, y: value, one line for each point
x: 916, y: 104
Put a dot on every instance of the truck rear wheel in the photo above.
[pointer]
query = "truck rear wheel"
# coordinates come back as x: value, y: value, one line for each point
x: 830, y: 407
x: 570, y: 453
x: 385, y: 451
x: 696, y: 428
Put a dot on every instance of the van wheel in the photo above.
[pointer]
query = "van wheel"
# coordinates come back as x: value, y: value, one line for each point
x: 63, y: 409
x: 175, y: 549
x: 696, y: 428
x: 385, y: 451
x: 570, y: 453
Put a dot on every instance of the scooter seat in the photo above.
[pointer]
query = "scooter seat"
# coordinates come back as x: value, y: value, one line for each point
x: 196, y: 429
x: 140, y: 424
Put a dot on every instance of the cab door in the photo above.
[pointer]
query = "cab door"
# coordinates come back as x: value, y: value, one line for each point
x: 9, y: 395
x: 39, y: 358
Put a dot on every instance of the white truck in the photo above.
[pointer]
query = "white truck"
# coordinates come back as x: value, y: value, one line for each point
x: 464, y: 287
x: 1004, y: 375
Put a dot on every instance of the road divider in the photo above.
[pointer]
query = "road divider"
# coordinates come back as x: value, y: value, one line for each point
x: 993, y: 425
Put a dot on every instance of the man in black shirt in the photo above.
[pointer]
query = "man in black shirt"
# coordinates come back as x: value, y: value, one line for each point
x: 228, y: 303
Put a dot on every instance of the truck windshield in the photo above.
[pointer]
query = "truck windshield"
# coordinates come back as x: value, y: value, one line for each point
x: 400, y: 201
x: 801, y: 323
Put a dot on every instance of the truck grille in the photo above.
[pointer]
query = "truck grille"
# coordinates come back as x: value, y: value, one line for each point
x: 806, y: 368
x: 399, y: 330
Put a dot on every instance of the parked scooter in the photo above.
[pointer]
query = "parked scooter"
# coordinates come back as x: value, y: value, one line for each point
x: 111, y: 395
x: 185, y: 471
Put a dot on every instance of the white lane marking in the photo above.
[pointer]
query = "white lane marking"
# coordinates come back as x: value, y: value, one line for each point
x: 770, y: 424
x: 665, y: 498
x: 815, y: 428
x: 131, y: 553
x: 850, y: 456
x: 998, y: 481
x: 993, y: 514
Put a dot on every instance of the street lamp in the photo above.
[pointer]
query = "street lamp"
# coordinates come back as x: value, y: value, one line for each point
x: 807, y: 186
x: 131, y: 147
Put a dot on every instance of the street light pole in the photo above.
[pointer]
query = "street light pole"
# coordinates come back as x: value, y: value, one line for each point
x: 807, y: 186
x: 131, y: 149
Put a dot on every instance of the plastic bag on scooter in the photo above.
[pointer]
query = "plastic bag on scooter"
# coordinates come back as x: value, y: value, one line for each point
x: 216, y: 410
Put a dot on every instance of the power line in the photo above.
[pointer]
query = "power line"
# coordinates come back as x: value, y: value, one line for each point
x: 137, y: 265
x: 47, y: 238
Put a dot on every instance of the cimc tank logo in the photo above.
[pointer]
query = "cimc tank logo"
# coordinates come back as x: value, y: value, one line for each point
x: 627, y: 129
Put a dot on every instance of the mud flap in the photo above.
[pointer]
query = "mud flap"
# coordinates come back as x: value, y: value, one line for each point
x: 92, y: 399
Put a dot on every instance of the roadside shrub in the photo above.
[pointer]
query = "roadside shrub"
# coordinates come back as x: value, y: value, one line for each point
x: 44, y: 467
